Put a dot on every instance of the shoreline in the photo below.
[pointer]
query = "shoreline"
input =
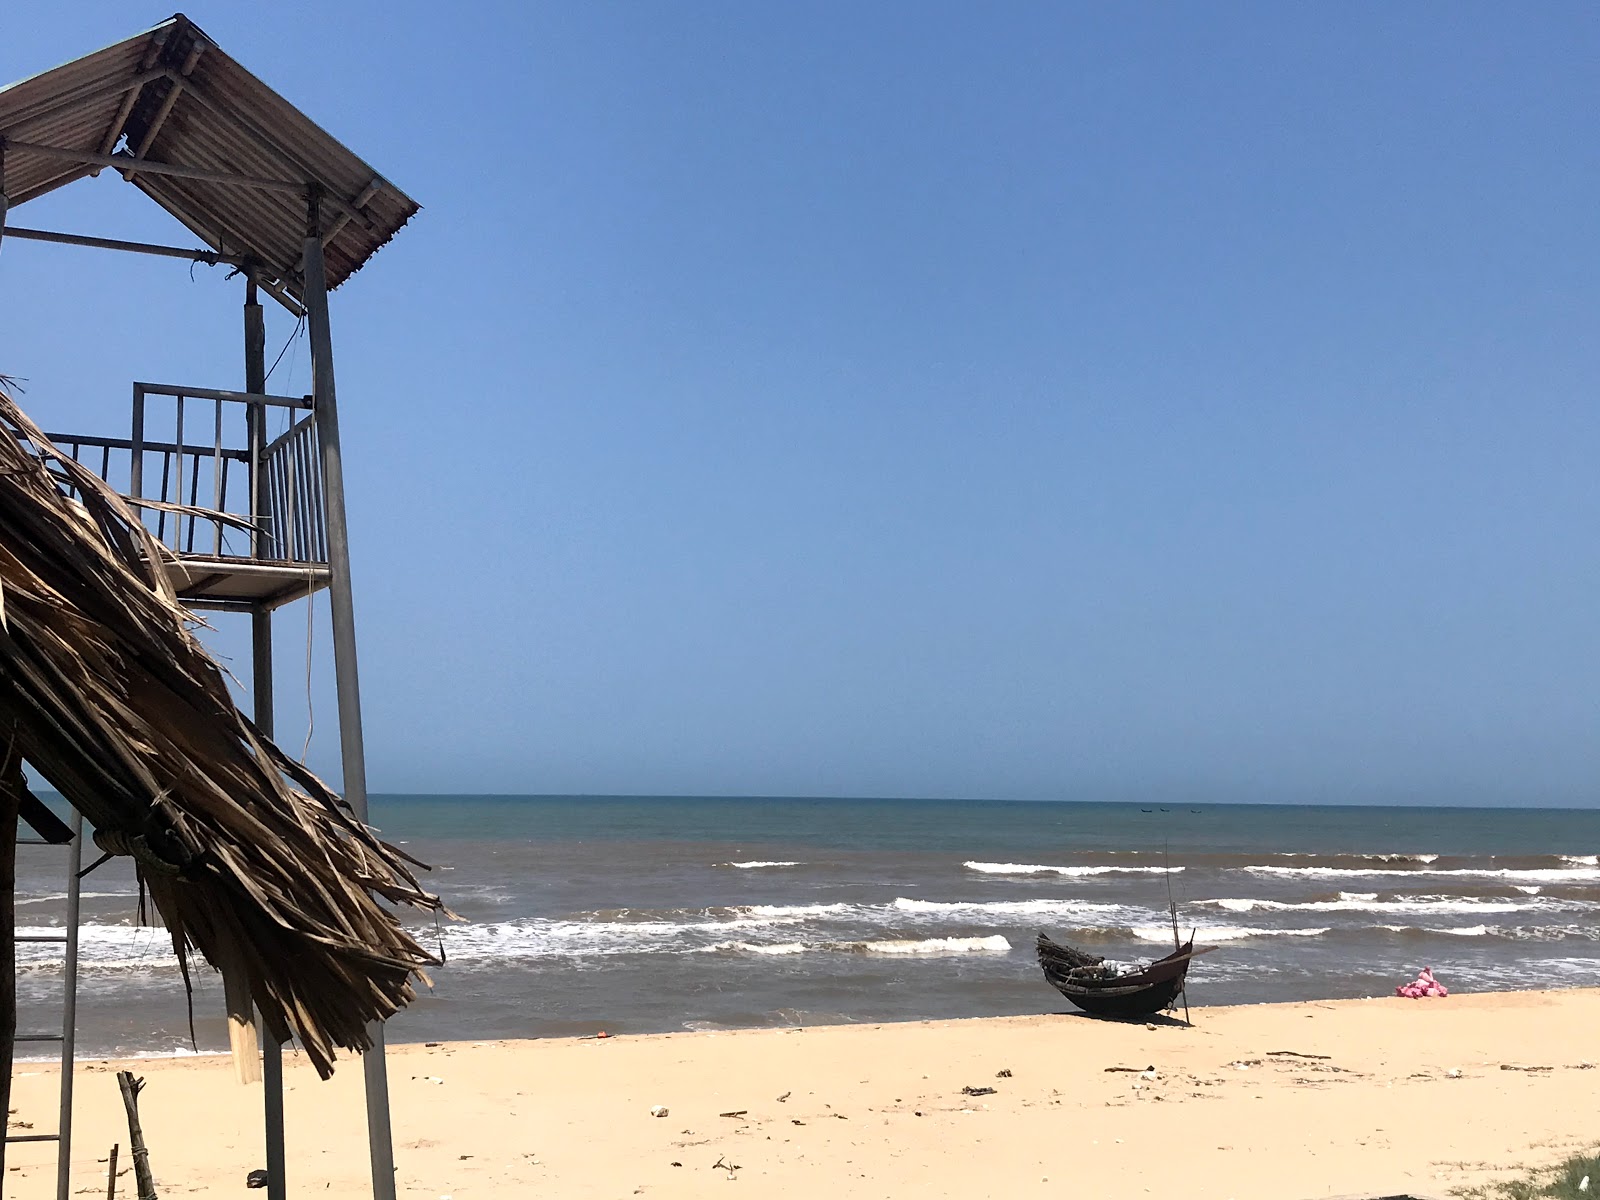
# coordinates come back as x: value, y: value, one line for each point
x: 1287, y: 1101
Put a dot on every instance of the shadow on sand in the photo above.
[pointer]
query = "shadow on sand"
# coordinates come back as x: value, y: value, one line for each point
x: 1161, y: 1020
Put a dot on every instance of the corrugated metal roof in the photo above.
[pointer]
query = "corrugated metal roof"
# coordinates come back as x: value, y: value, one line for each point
x: 170, y: 95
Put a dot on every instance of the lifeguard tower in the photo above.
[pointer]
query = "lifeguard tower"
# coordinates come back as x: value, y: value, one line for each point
x: 253, y: 521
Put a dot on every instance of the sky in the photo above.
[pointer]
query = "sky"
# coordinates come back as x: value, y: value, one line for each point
x: 1035, y: 401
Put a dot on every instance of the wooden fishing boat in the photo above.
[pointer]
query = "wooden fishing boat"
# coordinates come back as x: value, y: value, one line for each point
x: 1106, y: 992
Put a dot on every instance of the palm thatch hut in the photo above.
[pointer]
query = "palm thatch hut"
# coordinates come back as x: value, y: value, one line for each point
x: 106, y: 693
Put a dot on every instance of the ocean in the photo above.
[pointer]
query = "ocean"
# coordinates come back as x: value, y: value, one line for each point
x: 630, y: 915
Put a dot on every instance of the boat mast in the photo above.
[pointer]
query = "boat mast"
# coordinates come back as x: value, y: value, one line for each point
x: 1172, y: 909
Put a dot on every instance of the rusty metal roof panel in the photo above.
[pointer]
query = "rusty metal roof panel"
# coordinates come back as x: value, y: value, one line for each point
x: 171, y: 95
x: 71, y: 106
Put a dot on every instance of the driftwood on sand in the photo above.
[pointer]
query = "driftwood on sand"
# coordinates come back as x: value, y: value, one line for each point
x: 108, y: 694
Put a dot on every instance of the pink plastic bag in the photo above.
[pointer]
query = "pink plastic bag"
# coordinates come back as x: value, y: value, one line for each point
x: 1424, y: 985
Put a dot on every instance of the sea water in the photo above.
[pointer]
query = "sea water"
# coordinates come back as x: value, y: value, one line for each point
x: 667, y: 913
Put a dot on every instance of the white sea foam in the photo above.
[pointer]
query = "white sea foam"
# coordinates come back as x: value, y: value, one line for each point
x: 1528, y: 889
x: 1516, y: 933
x: 1383, y: 858
x: 1367, y: 904
x: 58, y: 897
x: 792, y: 911
x: 534, y: 939
x: 1581, y: 860
x: 989, y: 868
x: 100, y: 948
x: 1222, y: 933
x: 771, y: 914
x: 1458, y: 931
x: 620, y: 932
x: 120, y: 1052
x: 1532, y: 875
x: 903, y: 947
x: 995, y: 910
x: 948, y: 945
x: 757, y: 863
x: 770, y: 948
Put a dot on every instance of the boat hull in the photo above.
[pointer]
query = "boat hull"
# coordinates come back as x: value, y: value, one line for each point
x: 1137, y: 994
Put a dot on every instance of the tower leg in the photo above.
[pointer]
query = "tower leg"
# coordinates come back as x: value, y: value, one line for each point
x: 255, y: 381
x: 351, y: 745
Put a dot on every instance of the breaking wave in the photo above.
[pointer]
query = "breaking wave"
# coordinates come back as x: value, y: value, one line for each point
x: 918, y: 947
x: 993, y: 909
x: 1529, y: 875
x: 1367, y: 902
x: 58, y: 897
x: 106, y: 949
x: 1222, y: 933
x: 757, y: 863
x: 990, y: 868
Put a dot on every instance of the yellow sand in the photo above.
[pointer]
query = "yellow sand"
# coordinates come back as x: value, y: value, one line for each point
x: 878, y: 1111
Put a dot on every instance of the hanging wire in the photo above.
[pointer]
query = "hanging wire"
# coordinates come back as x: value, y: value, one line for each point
x: 299, y: 328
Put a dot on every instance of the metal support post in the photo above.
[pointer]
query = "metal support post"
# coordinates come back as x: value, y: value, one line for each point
x: 69, y: 1010
x: 255, y: 382
x: 351, y: 746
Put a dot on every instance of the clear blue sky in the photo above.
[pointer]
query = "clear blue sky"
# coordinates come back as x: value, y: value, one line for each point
x: 1057, y: 400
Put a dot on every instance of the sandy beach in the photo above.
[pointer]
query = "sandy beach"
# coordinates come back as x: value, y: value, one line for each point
x: 1266, y: 1101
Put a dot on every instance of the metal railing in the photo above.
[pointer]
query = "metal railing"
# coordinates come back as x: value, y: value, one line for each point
x: 294, y: 512
x: 206, y: 478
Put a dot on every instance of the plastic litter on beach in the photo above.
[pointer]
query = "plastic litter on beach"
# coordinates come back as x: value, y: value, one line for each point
x: 659, y: 1110
x: 1423, y: 985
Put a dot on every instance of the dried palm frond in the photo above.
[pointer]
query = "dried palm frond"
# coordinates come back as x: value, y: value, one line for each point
x: 106, y: 691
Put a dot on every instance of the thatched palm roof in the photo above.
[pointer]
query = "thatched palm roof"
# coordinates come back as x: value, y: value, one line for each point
x: 106, y: 691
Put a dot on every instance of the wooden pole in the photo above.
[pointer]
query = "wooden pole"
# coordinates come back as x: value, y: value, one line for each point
x: 111, y: 1174
x: 12, y: 786
x: 143, y: 1179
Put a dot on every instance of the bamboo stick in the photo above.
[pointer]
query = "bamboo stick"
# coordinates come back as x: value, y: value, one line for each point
x: 143, y: 1179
